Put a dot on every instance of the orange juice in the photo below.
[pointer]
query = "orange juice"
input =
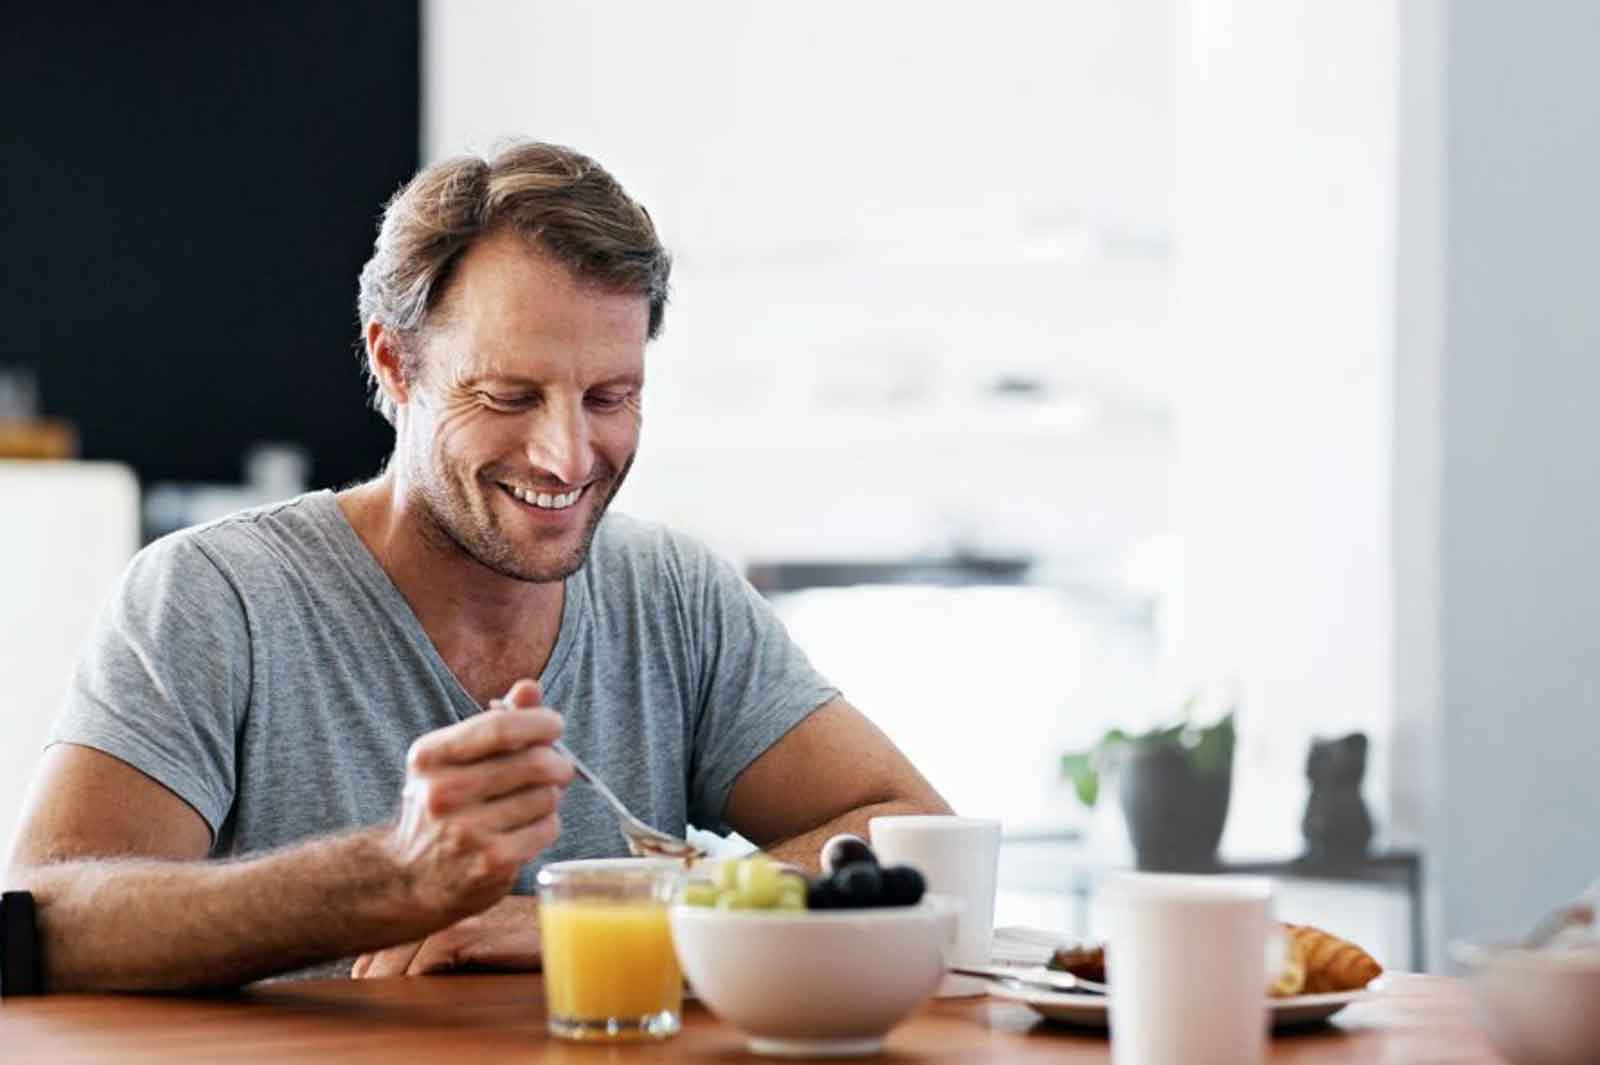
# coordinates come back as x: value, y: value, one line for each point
x: 608, y: 960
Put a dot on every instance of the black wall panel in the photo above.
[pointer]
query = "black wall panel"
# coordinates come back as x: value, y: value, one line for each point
x: 187, y: 193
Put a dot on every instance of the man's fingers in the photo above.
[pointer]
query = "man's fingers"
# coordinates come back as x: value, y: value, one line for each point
x: 440, y: 953
x: 494, y: 946
x: 456, y: 787
x: 511, y: 812
x: 527, y: 842
x: 524, y: 693
x: 485, y: 736
x: 517, y: 948
x: 505, y: 936
x: 393, y: 961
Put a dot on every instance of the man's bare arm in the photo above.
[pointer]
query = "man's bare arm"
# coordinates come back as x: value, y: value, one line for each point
x: 125, y: 901
x: 831, y: 773
x: 138, y: 924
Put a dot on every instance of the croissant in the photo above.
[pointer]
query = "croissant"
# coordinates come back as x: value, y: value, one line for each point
x: 1330, y: 963
x: 1316, y: 962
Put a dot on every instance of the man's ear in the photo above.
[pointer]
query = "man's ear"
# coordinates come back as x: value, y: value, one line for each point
x: 386, y: 361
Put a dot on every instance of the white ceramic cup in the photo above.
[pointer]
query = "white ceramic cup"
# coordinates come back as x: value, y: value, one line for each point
x: 1186, y: 962
x: 958, y: 857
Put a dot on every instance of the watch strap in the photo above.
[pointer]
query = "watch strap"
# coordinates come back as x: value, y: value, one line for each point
x: 20, y: 969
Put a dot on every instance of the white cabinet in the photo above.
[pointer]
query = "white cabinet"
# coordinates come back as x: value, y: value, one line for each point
x: 67, y: 529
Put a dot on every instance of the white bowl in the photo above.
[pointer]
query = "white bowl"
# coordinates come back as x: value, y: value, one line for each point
x: 1539, y: 1006
x: 826, y: 983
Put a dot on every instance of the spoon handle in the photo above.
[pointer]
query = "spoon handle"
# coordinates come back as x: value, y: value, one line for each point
x: 594, y: 781
x: 577, y: 764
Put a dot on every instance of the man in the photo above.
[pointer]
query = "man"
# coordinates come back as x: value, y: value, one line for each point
x: 269, y: 688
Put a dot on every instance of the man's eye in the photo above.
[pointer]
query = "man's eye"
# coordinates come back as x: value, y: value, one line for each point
x: 608, y: 400
x: 506, y: 402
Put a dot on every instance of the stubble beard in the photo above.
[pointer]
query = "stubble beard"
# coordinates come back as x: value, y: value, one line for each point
x: 453, y: 523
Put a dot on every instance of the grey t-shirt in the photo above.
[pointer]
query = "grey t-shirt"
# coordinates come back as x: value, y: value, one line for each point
x: 265, y: 669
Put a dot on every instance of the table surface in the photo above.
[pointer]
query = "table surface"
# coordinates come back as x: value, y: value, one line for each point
x: 484, y: 1019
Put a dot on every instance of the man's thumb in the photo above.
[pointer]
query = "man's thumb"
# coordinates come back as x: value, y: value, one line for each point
x: 524, y: 695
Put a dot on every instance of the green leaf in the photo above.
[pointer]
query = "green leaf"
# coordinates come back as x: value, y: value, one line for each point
x: 1080, y: 769
x: 1170, y: 736
x: 1212, y: 752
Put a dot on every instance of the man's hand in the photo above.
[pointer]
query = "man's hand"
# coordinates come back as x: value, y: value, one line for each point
x: 505, y: 936
x: 481, y: 798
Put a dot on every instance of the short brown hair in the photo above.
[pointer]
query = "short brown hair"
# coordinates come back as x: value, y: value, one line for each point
x: 565, y: 201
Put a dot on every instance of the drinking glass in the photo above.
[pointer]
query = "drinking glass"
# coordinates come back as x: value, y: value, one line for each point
x: 610, y: 972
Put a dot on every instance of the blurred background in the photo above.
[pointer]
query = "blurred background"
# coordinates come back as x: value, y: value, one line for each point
x: 1052, y: 367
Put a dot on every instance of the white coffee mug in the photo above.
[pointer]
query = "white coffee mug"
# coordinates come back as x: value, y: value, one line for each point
x: 1185, y: 957
x: 959, y: 858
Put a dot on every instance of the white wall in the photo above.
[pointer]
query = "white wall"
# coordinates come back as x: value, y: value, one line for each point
x: 876, y: 209
x: 755, y: 130
x: 1519, y: 588
x: 66, y: 531
x: 1283, y: 346
x: 1387, y: 328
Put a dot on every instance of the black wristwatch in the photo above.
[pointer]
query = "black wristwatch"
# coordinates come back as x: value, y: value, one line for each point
x: 20, y: 971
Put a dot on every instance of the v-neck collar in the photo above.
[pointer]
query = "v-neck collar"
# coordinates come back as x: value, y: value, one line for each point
x: 370, y: 571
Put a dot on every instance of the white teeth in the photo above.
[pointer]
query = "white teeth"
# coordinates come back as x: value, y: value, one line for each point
x: 544, y: 499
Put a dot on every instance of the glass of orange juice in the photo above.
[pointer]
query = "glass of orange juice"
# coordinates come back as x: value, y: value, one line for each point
x: 610, y: 972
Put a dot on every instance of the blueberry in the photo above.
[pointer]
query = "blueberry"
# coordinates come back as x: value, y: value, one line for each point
x: 902, y: 886
x: 823, y: 894
x: 844, y: 849
x: 859, y: 884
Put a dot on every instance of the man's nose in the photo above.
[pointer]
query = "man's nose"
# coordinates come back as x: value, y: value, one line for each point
x: 559, y: 443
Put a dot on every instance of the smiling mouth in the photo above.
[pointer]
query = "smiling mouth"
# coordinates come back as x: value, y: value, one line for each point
x: 543, y: 500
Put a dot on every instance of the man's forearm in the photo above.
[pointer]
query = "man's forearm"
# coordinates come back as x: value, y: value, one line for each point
x: 150, y: 925
x: 805, y: 849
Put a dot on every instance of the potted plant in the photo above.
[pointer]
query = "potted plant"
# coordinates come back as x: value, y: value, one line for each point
x: 1173, y: 783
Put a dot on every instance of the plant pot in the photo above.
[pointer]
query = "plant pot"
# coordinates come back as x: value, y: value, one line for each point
x: 1175, y: 813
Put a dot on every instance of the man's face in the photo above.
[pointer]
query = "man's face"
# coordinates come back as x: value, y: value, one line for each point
x: 524, y: 416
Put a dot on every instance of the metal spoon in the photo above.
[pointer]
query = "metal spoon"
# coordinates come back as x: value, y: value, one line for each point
x: 1031, y: 979
x: 643, y: 841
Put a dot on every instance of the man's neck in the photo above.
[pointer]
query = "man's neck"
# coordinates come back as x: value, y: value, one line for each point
x: 482, y: 623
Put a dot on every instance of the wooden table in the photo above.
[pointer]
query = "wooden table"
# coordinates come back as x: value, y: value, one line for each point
x: 482, y: 1020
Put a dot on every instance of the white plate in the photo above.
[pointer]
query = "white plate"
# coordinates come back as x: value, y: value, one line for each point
x: 1089, y: 1011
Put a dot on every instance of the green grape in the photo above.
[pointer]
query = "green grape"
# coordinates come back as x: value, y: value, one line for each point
x: 700, y: 893
x: 753, y: 883
x: 758, y: 883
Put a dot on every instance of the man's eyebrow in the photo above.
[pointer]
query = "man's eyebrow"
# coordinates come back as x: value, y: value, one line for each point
x: 633, y: 379
x: 518, y: 381
x: 490, y: 377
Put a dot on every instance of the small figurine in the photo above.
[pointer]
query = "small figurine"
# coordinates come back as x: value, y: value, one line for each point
x: 1337, y: 825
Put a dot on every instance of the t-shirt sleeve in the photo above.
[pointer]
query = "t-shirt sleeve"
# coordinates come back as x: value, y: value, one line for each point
x: 165, y: 678
x: 755, y: 685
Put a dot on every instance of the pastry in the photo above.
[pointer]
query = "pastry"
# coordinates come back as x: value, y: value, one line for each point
x: 1330, y: 963
x: 1315, y: 962
x: 1087, y: 963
